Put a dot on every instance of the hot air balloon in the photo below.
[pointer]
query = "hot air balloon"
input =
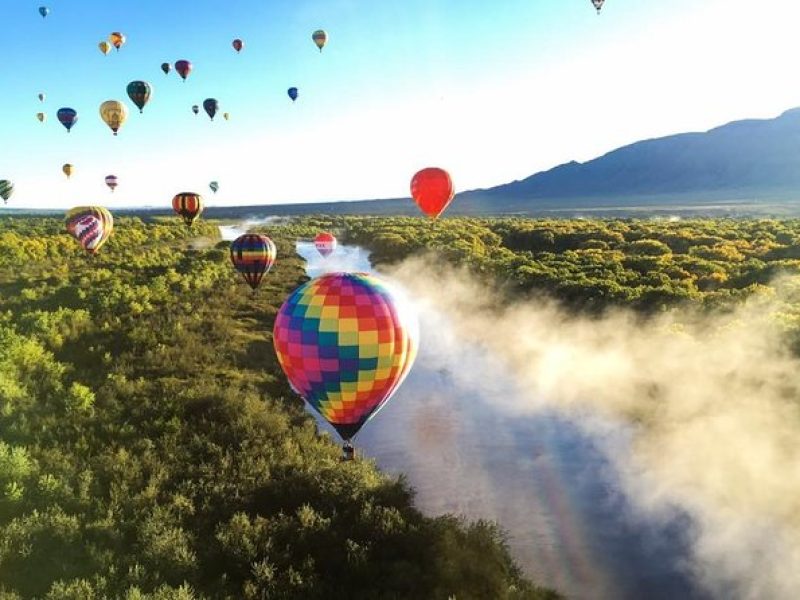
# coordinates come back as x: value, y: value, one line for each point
x: 238, y: 45
x: 325, y: 243
x: 90, y: 225
x: 117, y: 39
x: 346, y: 341
x: 189, y: 206
x: 42, y: 96
x: 68, y: 170
x: 253, y: 255
x: 214, y: 185
x: 67, y: 117
x: 44, y: 11
x: 293, y: 93
x: 432, y: 189
x: 227, y: 116
x: 114, y: 113
x: 598, y: 4
x: 105, y: 47
x: 111, y: 182
x: 211, y: 106
x: 139, y: 92
x: 320, y: 38
x: 166, y: 67
x: 6, y: 190
x: 183, y: 67
x: 41, y: 116
x: 195, y: 109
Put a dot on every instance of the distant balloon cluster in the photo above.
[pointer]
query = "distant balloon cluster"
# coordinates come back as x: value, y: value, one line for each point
x: 345, y: 341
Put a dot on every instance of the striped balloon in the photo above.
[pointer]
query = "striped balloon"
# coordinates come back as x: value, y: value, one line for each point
x: 6, y: 189
x: 139, y: 92
x: 189, y: 206
x: 91, y: 226
x: 111, y: 181
x: 346, y: 341
x: 253, y: 255
x: 598, y: 4
x: 325, y: 243
x: 67, y: 117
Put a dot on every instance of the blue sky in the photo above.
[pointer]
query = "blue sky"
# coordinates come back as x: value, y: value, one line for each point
x: 492, y: 92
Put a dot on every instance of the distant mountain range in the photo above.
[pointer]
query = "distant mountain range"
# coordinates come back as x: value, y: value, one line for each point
x: 744, y: 167
x: 750, y: 166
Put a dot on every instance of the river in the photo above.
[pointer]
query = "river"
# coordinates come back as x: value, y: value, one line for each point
x: 546, y: 480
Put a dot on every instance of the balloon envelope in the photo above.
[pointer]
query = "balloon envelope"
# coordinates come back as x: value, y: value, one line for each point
x: 114, y: 113
x: 166, y: 67
x: 211, y: 106
x: 90, y: 225
x: 67, y: 117
x: 253, y: 255
x: 432, y: 189
x: 111, y: 182
x: 139, y: 92
x: 44, y: 11
x: 238, y: 45
x: 41, y: 116
x: 214, y: 186
x: 68, y: 170
x: 598, y: 4
x: 188, y: 205
x: 6, y: 189
x: 325, y: 244
x: 227, y: 116
x: 293, y: 93
x: 42, y: 96
x: 105, y: 47
x: 183, y: 67
x: 117, y: 39
x: 346, y: 341
x: 195, y: 109
x: 320, y: 38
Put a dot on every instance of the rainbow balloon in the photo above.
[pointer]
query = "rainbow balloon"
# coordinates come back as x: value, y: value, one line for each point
x: 346, y: 341
x: 253, y: 255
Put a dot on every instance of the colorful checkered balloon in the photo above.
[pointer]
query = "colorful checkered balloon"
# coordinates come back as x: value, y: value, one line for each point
x: 346, y: 341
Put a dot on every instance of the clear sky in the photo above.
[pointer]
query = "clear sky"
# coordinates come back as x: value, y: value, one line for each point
x: 491, y: 91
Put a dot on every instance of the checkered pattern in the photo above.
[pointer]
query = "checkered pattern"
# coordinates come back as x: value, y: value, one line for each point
x: 346, y: 341
x: 253, y: 255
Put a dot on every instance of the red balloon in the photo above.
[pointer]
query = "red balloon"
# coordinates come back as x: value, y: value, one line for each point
x: 183, y: 67
x: 325, y: 243
x: 432, y: 190
x: 238, y: 45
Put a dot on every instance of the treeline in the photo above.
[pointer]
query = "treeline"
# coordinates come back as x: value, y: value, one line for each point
x: 593, y: 265
x: 150, y: 447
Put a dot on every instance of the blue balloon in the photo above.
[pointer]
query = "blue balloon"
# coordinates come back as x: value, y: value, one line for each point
x: 44, y: 11
x: 293, y: 93
x: 67, y: 117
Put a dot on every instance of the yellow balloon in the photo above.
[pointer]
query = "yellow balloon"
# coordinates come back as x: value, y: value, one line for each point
x: 42, y: 117
x: 68, y: 169
x: 105, y: 47
x: 227, y: 116
x: 114, y: 113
